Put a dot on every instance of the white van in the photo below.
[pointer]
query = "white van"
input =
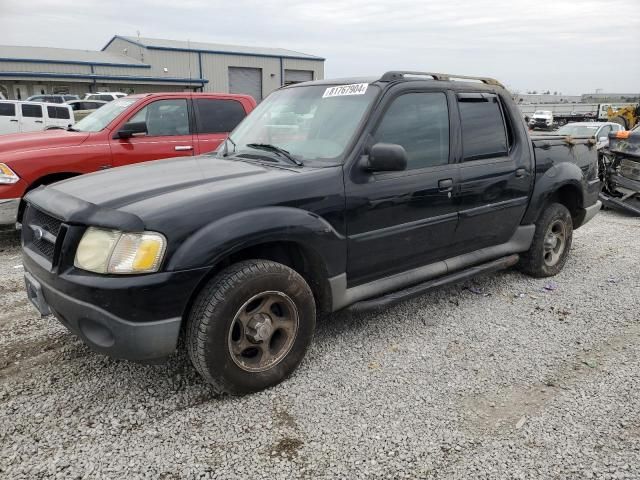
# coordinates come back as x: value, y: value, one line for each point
x: 17, y: 116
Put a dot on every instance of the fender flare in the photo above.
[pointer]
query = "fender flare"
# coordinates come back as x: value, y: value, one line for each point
x: 546, y: 185
x: 225, y: 236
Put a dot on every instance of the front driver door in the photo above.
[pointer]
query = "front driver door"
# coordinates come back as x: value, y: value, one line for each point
x: 168, y: 133
x: 401, y: 220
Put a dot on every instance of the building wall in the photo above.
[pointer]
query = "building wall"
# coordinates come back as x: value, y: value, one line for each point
x: 163, y: 63
x: 313, y: 65
x: 215, y: 67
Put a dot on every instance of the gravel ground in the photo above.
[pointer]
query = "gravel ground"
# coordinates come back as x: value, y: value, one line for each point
x: 494, y: 378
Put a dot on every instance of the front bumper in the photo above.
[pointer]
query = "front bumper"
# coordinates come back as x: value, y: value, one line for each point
x: 134, y: 318
x: 9, y: 210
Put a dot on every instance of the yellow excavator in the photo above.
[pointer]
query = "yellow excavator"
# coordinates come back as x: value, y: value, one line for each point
x: 628, y: 116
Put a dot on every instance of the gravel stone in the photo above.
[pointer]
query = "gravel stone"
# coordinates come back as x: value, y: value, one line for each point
x: 433, y: 388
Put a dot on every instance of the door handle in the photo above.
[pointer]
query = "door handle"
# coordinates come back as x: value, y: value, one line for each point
x: 183, y: 148
x: 445, y: 185
x: 521, y: 172
x: 13, y: 120
x: 38, y: 121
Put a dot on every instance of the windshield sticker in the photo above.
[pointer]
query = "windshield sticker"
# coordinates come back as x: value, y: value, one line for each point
x: 342, y: 90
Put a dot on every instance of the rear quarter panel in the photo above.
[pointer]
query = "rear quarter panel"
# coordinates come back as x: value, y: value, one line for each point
x: 562, y: 161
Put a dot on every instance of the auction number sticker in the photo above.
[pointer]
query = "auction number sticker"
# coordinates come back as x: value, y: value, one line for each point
x: 342, y: 90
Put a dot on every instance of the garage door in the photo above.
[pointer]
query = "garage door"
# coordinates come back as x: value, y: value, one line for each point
x: 247, y: 81
x: 297, y: 76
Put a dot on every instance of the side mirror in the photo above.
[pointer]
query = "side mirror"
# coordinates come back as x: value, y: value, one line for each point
x: 386, y: 157
x: 131, y: 129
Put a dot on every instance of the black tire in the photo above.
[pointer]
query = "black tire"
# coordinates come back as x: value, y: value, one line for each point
x: 542, y: 259
x: 215, y: 326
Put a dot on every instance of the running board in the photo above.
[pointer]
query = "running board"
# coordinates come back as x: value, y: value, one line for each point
x: 416, y: 290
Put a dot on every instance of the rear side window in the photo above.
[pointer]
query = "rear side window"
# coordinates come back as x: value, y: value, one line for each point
x: 483, y: 127
x: 58, y: 112
x: 31, y: 111
x: 218, y: 116
x: 420, y: 123
x: 105, y: 98
x: 7, y: 110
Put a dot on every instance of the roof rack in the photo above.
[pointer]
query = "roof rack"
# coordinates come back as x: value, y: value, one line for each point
x: 398, y: 75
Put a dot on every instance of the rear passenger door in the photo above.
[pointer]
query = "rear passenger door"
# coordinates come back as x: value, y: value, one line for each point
x: 32, y: 118
x: 495, y: 173
x: 9, y: 122
x: 397, y: 221
x: 215, y: 118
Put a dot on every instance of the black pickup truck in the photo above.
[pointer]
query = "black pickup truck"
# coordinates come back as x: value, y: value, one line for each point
x: 354, y: 193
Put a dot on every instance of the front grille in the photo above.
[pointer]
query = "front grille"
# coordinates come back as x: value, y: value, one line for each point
x: 43, y: 232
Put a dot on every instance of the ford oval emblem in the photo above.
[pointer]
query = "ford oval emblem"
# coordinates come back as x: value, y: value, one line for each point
x: 37, y: 233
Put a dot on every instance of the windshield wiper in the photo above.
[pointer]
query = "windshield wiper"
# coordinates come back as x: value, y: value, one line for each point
x: 226, y: 148
x: 280, y: 151
x: 71, y: 129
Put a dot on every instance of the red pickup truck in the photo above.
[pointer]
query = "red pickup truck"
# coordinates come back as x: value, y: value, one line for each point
x: 129, y: 130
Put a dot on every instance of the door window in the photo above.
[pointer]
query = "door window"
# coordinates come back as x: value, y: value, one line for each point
x: 31, y: 111
x: 483, y: 127
x: 604, y: 131
x: 7, y: 110
x: 218, y: 116
x: 164, y: 118
x: 420, y: 123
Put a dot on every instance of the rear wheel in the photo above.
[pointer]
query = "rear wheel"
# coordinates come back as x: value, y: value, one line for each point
x: 250, y: 326
x: 551, y: 243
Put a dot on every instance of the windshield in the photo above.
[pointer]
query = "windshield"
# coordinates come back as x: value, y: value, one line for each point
x: 543, y: 113
x: 102, y: 117
x: 578, y: 130
x: 315, y: 122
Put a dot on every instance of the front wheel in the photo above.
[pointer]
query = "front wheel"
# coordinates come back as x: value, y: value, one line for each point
x: 250, y: 326
x: 551, y: 243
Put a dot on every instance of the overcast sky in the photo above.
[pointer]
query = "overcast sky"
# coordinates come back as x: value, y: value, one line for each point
x: 573, y: 46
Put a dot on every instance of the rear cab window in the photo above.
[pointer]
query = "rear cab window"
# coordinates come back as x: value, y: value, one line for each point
x: 484, y: 127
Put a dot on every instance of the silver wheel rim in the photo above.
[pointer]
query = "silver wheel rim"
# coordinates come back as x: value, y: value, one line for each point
x: 555, y: 242
x: 263, y: 331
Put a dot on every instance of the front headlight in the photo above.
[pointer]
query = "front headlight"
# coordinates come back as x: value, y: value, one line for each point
x: 111, y: 251
x: 7, y: 175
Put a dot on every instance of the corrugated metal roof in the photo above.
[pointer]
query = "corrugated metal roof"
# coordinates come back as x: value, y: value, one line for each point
x: 217, y: 48
x: 65, y: 55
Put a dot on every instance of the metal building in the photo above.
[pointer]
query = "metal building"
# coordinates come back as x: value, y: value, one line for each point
x: 136, y: 65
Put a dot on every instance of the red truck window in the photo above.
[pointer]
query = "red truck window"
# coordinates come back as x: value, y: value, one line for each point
x: 164, y: 118
x: 217, y: 115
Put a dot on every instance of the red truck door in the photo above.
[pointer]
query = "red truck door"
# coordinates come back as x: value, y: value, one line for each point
x: 163, y: 130
x: 215, y: 118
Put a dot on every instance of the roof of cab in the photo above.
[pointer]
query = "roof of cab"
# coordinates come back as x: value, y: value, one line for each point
x: 450, y: 80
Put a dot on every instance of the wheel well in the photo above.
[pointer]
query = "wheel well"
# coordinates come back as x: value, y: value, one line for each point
x: 303, y: 260
x: 571, y: 197
x: 45, y: 180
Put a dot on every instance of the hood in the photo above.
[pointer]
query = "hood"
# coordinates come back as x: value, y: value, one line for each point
x: 154, y: 185
x: 22, y: 142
